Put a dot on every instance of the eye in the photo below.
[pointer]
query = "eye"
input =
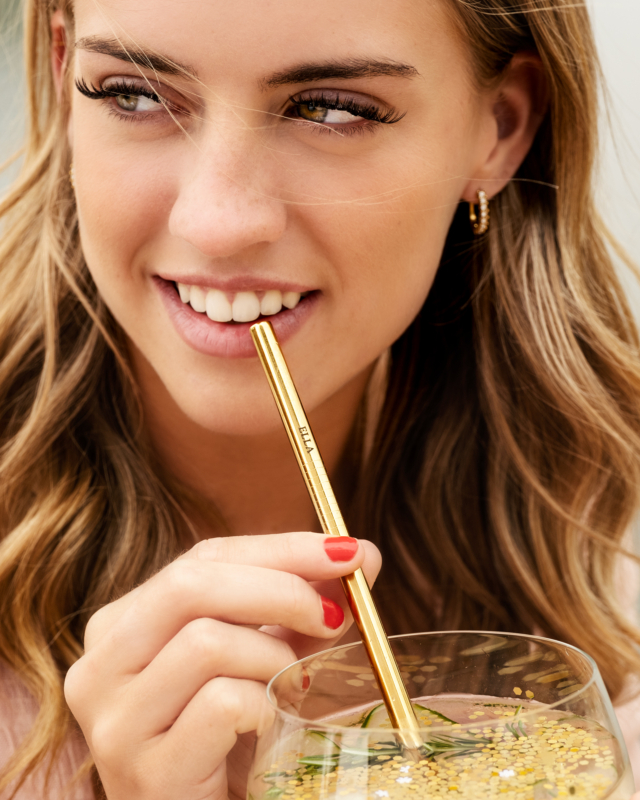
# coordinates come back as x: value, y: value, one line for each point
x: 126, y: 98
x: 334, y: 109
x: 136, y: 102
x: 328, y: 116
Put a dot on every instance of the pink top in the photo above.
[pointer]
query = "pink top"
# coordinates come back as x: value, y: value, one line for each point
x: 19, y: 710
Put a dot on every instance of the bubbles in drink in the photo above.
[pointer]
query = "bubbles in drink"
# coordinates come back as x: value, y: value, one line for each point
x: 475, y: 749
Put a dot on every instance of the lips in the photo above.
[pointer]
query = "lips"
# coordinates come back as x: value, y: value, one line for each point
x: 231, y: 339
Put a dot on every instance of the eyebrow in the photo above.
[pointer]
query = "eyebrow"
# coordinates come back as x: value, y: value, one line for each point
x: 340, y: 70
x: 134, y: 55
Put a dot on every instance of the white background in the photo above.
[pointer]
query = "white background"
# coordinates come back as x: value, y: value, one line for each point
x: 617, y: 28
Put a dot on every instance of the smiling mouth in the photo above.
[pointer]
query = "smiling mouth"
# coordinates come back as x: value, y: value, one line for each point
x: 237, y: 307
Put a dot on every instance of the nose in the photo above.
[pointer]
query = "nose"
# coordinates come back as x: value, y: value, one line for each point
x: 227, y: 200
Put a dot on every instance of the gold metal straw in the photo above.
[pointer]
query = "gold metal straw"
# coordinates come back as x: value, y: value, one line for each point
x: 365, y: 613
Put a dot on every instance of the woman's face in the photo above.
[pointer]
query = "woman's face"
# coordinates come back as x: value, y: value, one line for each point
x: 307, y: 149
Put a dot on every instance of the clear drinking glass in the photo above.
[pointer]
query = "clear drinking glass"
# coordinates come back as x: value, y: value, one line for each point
x: 502, y: 715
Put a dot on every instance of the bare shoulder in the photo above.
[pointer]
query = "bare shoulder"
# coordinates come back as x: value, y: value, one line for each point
x: 18, y: 712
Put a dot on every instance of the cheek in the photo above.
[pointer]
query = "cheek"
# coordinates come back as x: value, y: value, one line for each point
x: 124, y: 199
x: 387, y: 251
x: 394, y: 210
x: 383, y: 263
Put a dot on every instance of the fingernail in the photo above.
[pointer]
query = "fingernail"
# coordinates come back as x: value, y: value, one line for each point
x: 306, y: 680
x: 340, y: 548
x: 333, y: 614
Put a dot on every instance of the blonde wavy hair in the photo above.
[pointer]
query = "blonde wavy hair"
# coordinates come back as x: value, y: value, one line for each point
x: 505, y: 466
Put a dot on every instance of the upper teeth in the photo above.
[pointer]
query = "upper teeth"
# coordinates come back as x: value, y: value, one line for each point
x: 244, y: 307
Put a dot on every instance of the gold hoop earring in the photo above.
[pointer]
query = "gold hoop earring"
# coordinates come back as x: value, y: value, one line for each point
x: 72, y: 176
x: 482, y: 225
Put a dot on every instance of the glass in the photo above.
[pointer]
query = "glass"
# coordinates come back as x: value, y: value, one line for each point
x: 503, y: 716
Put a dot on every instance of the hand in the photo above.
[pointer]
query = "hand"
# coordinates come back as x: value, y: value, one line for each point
x: 174, y: 672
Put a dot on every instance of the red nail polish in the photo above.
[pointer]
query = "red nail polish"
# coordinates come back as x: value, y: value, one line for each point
x: 333, y: 614
x: 340, y: 548
x: 306, y: 680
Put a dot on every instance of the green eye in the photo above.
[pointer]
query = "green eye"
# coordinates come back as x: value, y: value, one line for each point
x: 127, y: 97
x: 127, y: 102
x: 137, y: 102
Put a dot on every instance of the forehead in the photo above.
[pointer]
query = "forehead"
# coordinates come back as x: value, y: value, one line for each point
x: 262, y: 36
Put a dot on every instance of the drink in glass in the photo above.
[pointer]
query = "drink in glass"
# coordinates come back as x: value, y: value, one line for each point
x: 502, y: 716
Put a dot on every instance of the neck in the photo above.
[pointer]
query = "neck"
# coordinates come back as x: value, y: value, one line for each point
x: 253, y: 482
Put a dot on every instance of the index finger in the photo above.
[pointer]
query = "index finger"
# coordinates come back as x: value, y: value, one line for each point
x: 304, y: 554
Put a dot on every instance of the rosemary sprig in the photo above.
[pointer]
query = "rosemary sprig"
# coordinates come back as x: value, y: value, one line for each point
x: 442, y: 745
x: 517, y: 730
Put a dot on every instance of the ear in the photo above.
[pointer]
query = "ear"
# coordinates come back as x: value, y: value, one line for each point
x: 514, y: 111
x: 59, y: 50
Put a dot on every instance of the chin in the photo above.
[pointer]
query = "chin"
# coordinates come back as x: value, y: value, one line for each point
x: 192, y: 398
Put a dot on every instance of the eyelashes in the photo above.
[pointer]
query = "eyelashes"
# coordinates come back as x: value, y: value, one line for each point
x: 306, y: 105
x: 320, y: 111
x: 116, y: 89
x: 128, y: 101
